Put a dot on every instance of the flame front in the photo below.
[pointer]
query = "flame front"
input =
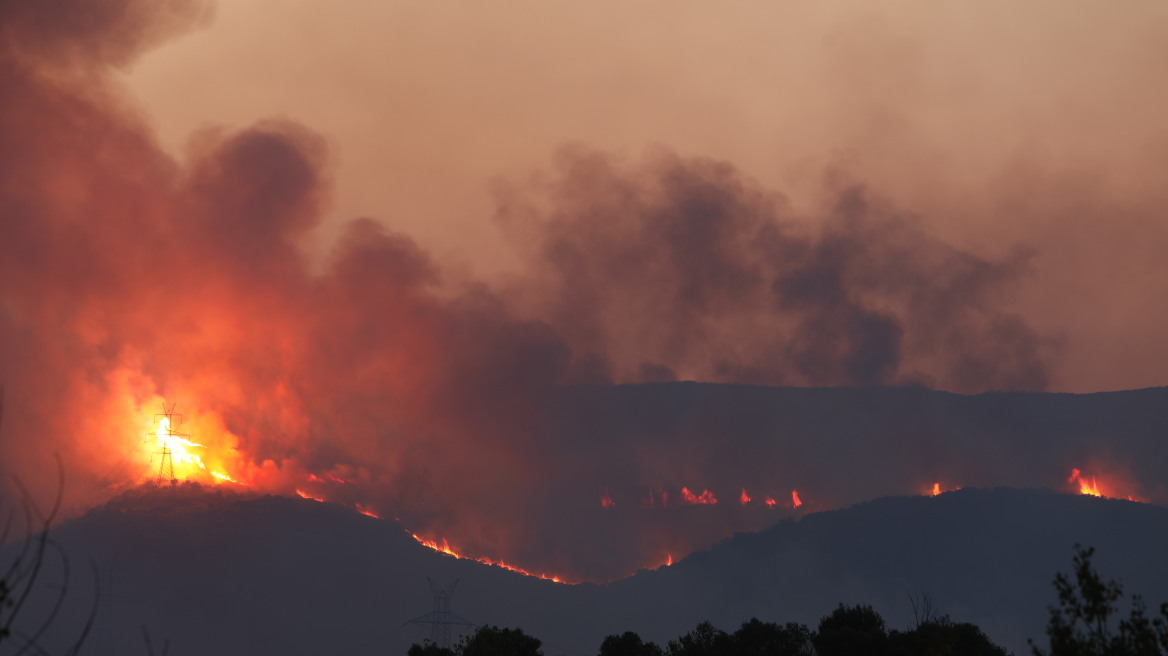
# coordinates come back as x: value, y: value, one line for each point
x: 706, y: 498
x: 445, y: 548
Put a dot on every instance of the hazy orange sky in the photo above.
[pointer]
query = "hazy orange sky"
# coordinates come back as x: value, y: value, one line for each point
x: 370, y: 242
x: 998, y: 124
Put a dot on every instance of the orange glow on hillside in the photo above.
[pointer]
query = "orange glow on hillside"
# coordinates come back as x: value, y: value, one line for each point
x: 305, y: 495
x: 795, y: 500
x: 936, y: 490
x: 445, y: 548
x: 1091, y: 486
x: 1086, y: 486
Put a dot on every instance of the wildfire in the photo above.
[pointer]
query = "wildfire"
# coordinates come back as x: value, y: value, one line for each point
x: 606, y: 501
x: 367, y: 512
x: 937, y: 490
x: 744, y: 498
x: 795, y: 501
x: 445, y: 548
x: 706, y: 498
x: 177, y: 444
x: 1090, y: 487
x: 224, y: 477
x: 770, y: 502
x: 305, y: 495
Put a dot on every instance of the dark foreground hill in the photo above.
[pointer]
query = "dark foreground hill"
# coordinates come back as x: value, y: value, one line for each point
x: 217, y: 573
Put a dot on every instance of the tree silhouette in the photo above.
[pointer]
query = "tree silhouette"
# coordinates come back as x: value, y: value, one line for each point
x: 628, y: 644
x: 943, y: 636
x: 1086, y: 623
x: 428, y: 648
x: 493, y: 641
x: 705, y: 640
x: 851, y: 630
x: 757, y: 638
x: 22, y: 576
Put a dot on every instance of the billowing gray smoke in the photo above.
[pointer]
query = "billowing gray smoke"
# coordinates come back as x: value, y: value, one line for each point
x: 128, y: 277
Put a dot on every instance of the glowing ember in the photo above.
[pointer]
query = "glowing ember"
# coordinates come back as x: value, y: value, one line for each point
x: 448, y: 550
x: 651, y: 500
x: 795, y: 501
x: 744, y: 498
x: 706, y: 498
x: 606, y: 501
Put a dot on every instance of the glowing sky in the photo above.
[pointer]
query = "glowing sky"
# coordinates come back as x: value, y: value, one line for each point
x: 999, y: 124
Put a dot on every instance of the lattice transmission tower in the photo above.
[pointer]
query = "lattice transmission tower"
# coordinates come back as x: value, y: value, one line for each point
x: 441, y: 619
x: 166, y: 461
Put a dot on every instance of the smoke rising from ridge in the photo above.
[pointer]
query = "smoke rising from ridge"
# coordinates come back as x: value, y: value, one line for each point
x: 674, y: 267
x: 129, y: 277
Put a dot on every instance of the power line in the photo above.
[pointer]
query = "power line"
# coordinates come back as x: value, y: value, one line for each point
x: 441, y: 618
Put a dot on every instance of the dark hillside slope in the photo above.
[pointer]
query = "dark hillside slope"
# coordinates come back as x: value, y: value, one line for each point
x: 221, y: 574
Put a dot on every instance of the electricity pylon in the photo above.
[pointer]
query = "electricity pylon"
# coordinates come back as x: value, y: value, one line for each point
x: 166, y: 463
x: 441, y: 618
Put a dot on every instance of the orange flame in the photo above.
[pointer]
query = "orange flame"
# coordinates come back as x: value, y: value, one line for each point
x: 365, y: 511
x: 704, y: 499
x: 306, y: 495
x: 795, y: 501
x: 744, y: 498
x: 224, y: 477
x: 1085, y: 487
x: 1091, y: 486
x: 770, y: 502
x: 177, y: 444
x: 936, y: 489
x: 450, y: 551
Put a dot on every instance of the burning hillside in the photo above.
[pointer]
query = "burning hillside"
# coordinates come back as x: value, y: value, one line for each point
x: 475, y: 411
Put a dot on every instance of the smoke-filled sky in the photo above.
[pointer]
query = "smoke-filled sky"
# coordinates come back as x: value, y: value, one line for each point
x: 365, y: 239
x: 999, y: 129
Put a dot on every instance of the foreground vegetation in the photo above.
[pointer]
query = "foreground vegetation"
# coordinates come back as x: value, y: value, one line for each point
x: 1086, y: 622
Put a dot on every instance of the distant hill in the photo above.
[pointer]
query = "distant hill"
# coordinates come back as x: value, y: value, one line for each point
x: 836, y: 446
x: 219, y: 573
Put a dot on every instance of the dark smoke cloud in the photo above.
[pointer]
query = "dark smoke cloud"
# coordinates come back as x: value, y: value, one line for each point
x: 675, y: 266
x: 127, y: 277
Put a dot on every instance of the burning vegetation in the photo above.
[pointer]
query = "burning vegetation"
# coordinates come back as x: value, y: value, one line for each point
x: 360, y: 371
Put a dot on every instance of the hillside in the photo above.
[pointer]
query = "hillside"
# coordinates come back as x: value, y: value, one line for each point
x: 228, y: 574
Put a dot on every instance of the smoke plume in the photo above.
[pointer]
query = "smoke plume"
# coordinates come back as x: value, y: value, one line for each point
x: 130, y: 278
